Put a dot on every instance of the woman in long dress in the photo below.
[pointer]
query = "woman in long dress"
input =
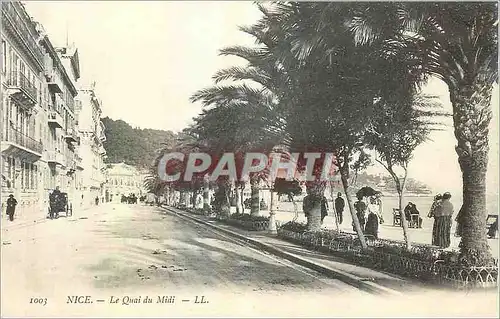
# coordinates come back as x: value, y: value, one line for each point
x: 442, y: 222
x: 432, y: 214
x: 360, y: 207
x: 373, y: 220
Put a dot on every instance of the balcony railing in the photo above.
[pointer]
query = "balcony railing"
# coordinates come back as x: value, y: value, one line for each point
x: 19, y: 80
x: 54, y: 81
x: 17, y: 137
x: 56, y: 157
x: 71, y: 135
x: 70, y: 102
x: 55, y: 119
x: 15, y: 14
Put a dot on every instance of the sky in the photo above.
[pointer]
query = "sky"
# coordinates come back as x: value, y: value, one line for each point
x: 148, y: 58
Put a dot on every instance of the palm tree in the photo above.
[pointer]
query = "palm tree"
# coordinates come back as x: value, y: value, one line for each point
x: 241, y: 120
x: 456, y: 42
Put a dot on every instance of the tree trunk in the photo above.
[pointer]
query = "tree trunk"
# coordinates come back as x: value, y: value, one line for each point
x: 182, y: 198
x: 223, y: 206
x: 471, y: 117
x: 334, y: 209
x: 242, y: 198
x: 344, y: 175
x: 474, y: 248
x: 237, y: 194
x: 255, y: 199
x: 206, y: 194
x: 316, y: 191
x: 404, y: 222
x: 295, y: 208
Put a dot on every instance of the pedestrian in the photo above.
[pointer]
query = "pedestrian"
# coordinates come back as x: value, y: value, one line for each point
x: 97, y: 200
x: 412, y: 215
x: 460, y: 222
x: 339, y: 207
x: 442, y: 222
x: 435, y: 203
x: 373, y: 219
x: 324, y: 208
x: 360, y: 207
x: 11, y: 207
x: 493, y: 229
x: 378, y: 201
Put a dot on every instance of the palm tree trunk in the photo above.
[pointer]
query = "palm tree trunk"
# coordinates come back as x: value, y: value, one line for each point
x: 316, y: 190
x: 224, y: 205
x: 255, y: 196
x: 206, y: 194
x: 242, y: 197
x: 471, y: 117
x: 344, y: 175
x: 237, y: 194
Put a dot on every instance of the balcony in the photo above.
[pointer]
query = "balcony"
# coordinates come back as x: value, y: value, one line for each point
x: 101, y: 150
x: 78, y: 162
x: 102, y: 134
x: 71, y: 136
x: 21, y: 89
x: 16, y: 21
x: 56, y: 158
x: 55, y: 119
x: 19, y: 144
x: 53, y: 81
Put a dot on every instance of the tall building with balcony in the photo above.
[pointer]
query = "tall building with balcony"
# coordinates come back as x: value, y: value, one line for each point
x: 61, y: 138
x: 21, y: 108
x: 92, y: 136
x: 39, y: 142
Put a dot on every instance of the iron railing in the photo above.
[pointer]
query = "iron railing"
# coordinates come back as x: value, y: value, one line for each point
x: 17, y: 79
x: 17, y: 137
x: 15, y: 14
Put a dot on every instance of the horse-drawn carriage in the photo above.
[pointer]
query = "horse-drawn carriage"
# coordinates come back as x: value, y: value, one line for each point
x: 58, y: 203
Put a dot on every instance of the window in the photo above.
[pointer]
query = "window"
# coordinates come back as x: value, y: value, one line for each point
x: 4, y: 56
x: 22, y: 175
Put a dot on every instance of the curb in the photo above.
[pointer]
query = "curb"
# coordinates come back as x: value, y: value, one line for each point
x: 330, y: 272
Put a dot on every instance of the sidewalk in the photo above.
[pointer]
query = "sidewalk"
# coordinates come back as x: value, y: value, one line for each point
x: 363, y: 278
x: 26, y: 221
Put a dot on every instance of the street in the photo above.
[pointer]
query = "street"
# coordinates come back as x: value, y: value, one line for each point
x: 138, y: 250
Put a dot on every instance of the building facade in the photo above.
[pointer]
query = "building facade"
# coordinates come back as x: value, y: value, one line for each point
x: 92, y: 136
x: 22, y: 109
x: 124, y: 179
x: 40, y: 143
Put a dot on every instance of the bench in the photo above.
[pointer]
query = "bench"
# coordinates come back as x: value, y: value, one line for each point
x: 490, y: 220
x: 396, y: 217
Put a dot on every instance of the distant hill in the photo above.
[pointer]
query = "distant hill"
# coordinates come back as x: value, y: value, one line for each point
x: 133, y: 146
x: 386, y: 184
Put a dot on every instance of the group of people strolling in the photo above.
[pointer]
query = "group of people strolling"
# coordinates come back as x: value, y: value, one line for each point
x: 369, y: 215
x: 369, y: 224
x: 442, y: 211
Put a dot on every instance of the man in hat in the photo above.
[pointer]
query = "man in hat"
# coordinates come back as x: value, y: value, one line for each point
x: 339, y: 207
x: 11, y: 207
